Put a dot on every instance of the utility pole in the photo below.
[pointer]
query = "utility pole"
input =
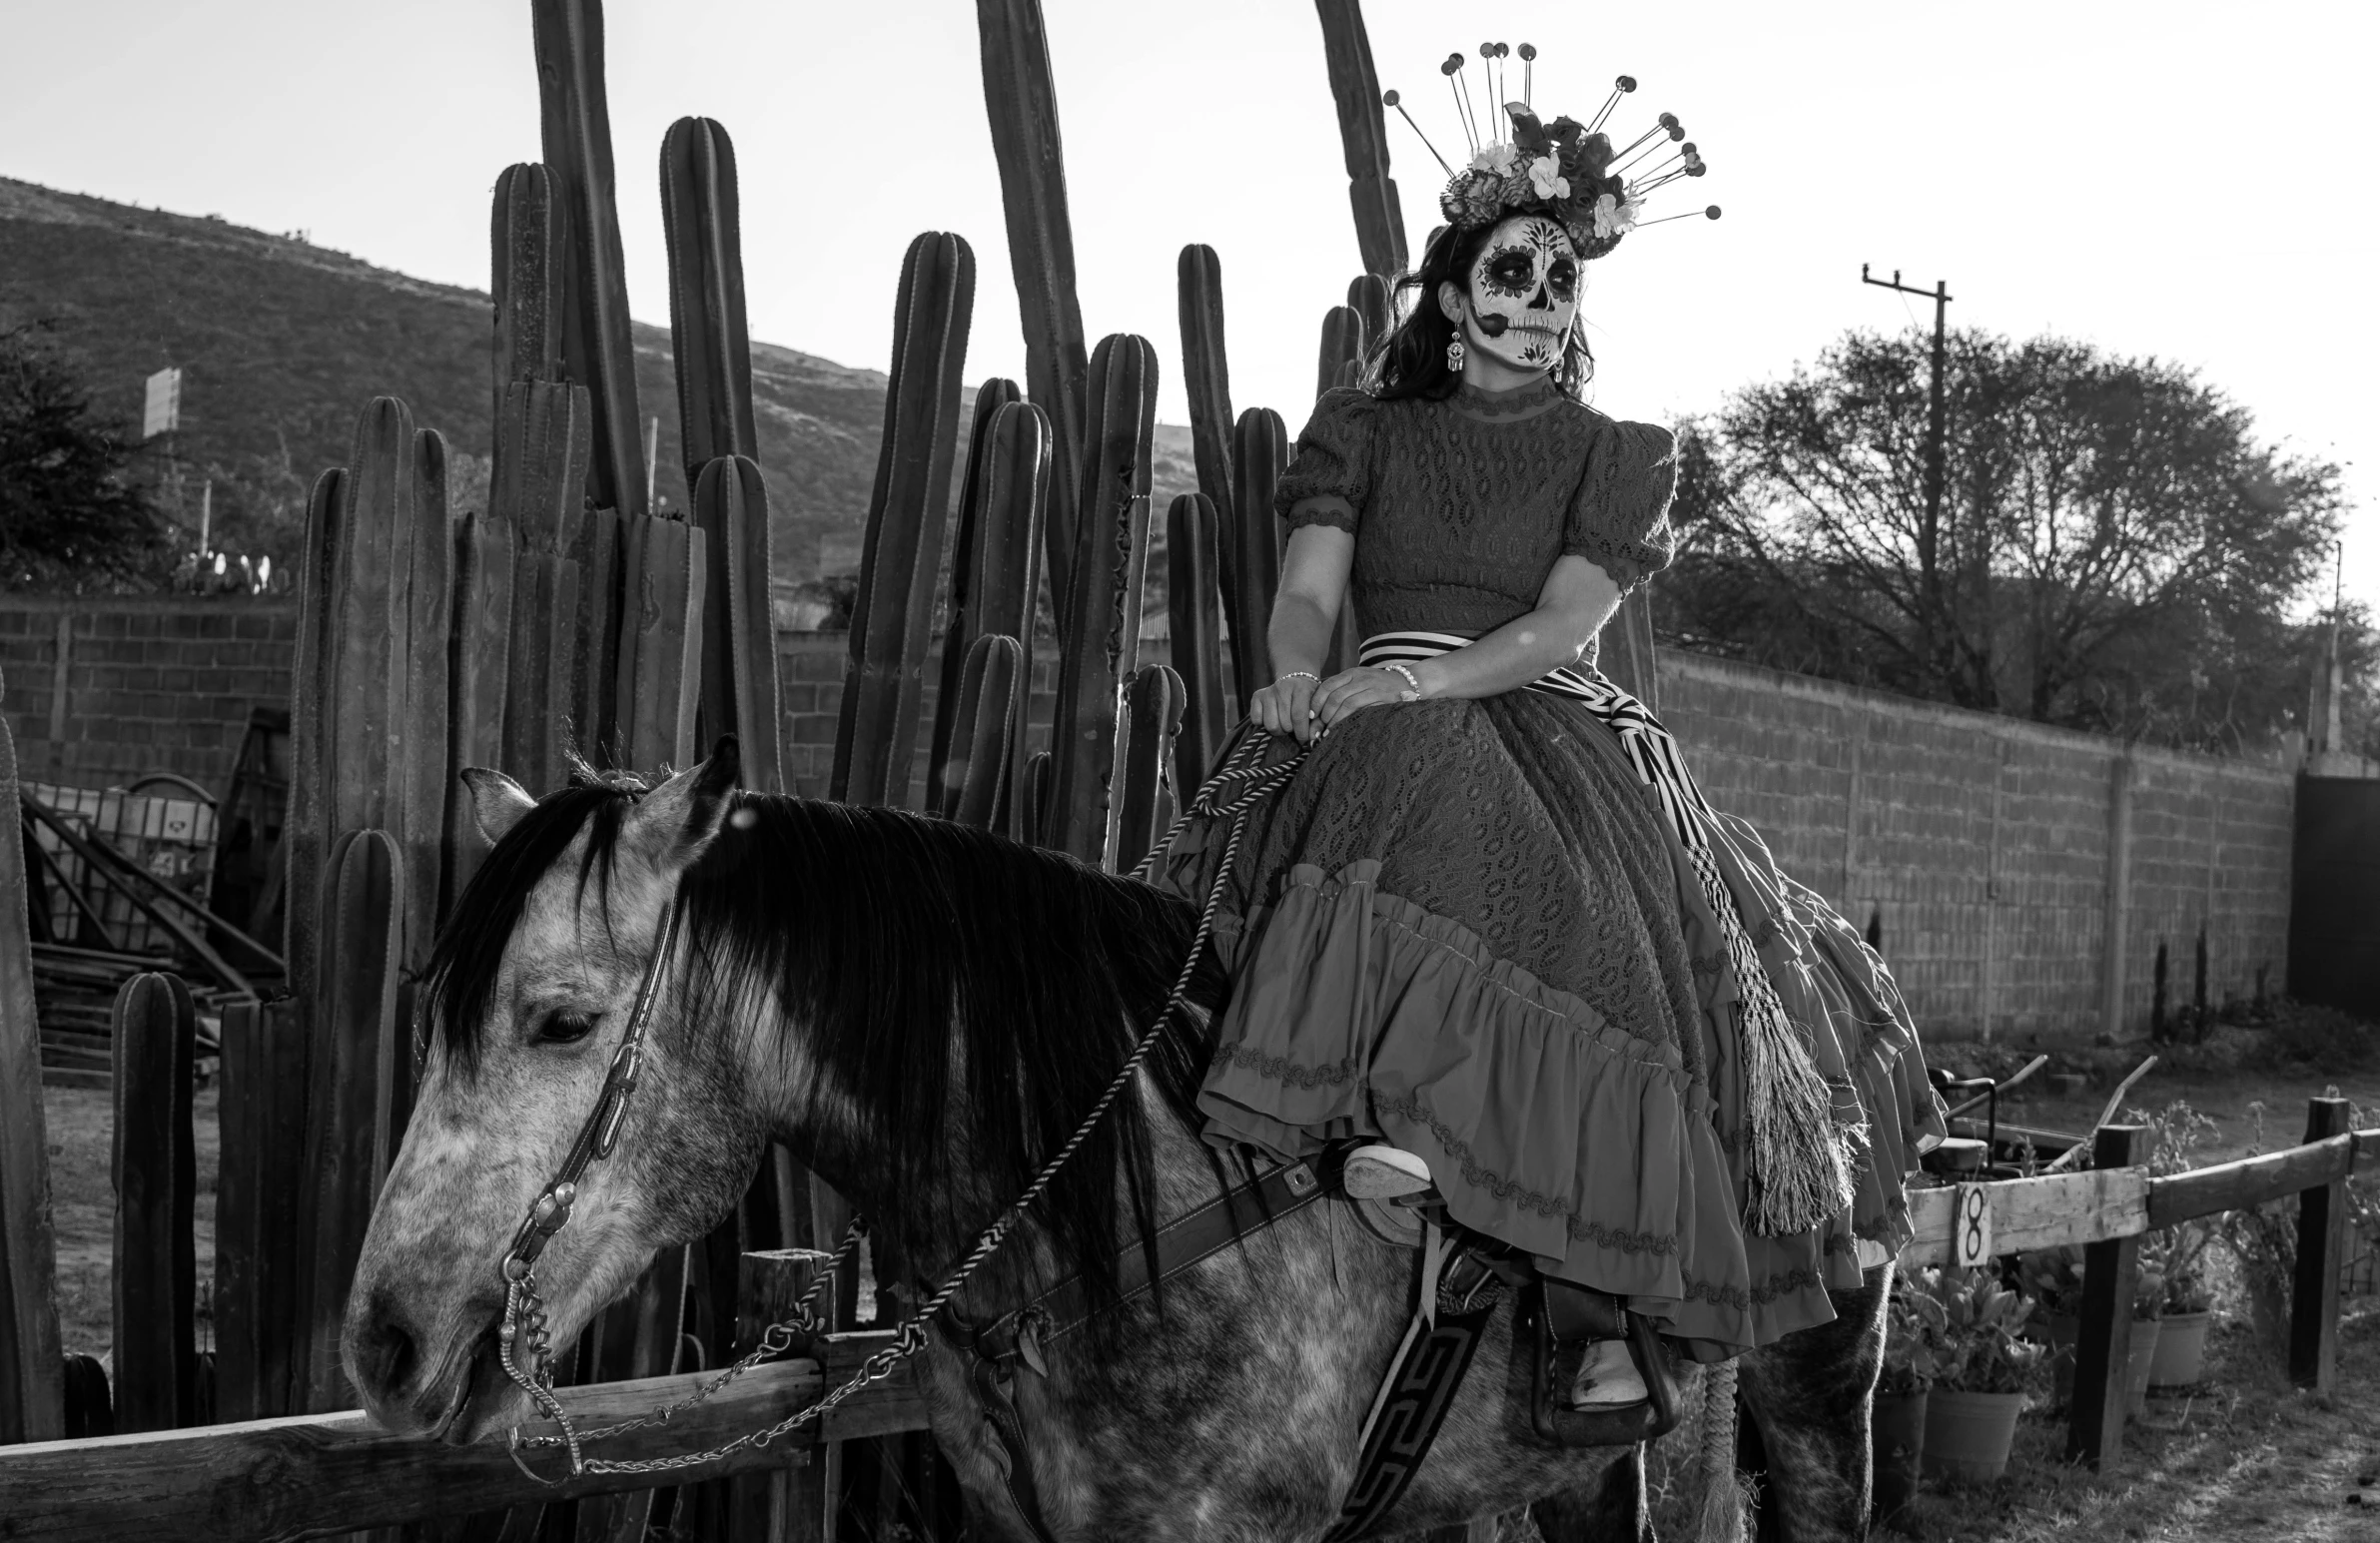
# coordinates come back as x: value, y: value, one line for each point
x: 1937, y: 420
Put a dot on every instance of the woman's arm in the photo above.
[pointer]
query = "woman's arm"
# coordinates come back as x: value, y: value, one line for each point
x: 1304, y: 613
x: 1577, y: 600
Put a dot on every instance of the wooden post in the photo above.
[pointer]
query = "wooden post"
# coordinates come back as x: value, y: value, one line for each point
x: 787, y: 1505
x: 155, y: 1171
x: 1022, y: 99
x: 2103, y: 1343
x: 32, y: 1366
x: 1364, y: 135
x: 2120, y: 896
x: 2321, y: 1248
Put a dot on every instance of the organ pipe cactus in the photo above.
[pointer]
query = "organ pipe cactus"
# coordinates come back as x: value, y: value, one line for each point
x: 1192, y: 596
x: 894, y: 609
x: 740, y: 672
x: 542, y: 446
x: 1100, y: 626
x: 1152, y: 718
x: 708, y: 342
x: 1030, y: 806
x: 1260, y: 454
x: 365, y: 652
x: 428, y: 769
x: 482, y: 619
x: 1341, y: 355
x: 305, y: 824
x: 154, y: 1039
x: 1368, y: 298
x: 1206, y: 372
x: 975, y: 787
x: 961, y: 630
x: 597, y: 349
x: 531, y: 240
x: 665, y: 580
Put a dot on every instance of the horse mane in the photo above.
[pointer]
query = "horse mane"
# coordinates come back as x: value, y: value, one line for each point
x: 883, y: 935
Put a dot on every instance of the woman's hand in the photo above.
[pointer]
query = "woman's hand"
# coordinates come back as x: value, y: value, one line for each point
x: 1355, y: 690
x: 1284, y: 707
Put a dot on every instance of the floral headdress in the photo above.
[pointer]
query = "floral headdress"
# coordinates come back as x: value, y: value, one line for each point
x: 1564, y: 170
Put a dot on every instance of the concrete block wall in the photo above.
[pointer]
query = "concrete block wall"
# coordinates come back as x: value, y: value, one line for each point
x: 1985, y: 847
x: 102, y: 689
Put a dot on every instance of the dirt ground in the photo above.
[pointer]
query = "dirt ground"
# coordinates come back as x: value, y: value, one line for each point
x: 2245, y: 1456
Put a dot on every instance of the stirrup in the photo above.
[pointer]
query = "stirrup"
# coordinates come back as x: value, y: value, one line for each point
x: 1377, y: 1172
x: 1554, y: 1361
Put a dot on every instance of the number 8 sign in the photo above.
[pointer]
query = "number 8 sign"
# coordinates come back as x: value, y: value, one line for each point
x: 1971, y: 1225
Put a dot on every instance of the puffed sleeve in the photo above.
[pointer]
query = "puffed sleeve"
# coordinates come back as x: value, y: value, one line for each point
x: 1619, y: 518
x: 1329, y: 479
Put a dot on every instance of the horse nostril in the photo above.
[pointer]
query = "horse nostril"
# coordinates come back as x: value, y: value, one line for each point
x: 386, y: 1354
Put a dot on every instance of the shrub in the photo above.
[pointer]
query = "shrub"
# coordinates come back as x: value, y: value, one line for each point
x: 1976, y: 1348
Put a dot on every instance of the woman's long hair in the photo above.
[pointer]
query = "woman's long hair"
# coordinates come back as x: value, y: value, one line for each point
x: 1411, y: 360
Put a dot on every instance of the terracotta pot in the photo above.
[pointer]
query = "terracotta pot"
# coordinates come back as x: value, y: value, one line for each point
x: 1967, y: 1435
x: 1897, y: 1438
x: 2146, y: 1334
x: 2181, y: 1350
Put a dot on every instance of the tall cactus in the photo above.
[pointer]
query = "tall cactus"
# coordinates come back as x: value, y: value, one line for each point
x: 1363, y: 136
x: 427, y: 766
x: 597, y: 549
x: 32, y: 1383
x: 1100, y: 626
x: 366, y: 651
x: 960, y: 632
x: 347, y: 1138
x: 542, y: 446
x: 1206, y: 372
x: 1341, y: 351
x: 740, y: 658
x: 1021, y: 98
x: 1030, y: 807
x: 1368, y: 296
x: 597, y: 349
x: 531, y: 240
x: 1146, y: 744
x: 1259, y: 454
x: 708, y: 341
x: 305, y: 825
x: 1192, y: 593
x: 894, y: 610
x: 991, y: 685
x: 157, y: 1184
x: 665, y: 578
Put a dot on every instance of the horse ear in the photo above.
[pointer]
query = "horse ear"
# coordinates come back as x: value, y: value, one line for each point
x: 677, y: 820
x: 498, y: 802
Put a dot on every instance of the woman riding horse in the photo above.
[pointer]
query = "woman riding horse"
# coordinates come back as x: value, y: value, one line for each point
x: 1492, y: 930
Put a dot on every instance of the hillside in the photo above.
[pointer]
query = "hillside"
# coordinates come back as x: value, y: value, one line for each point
x: 282, y: 342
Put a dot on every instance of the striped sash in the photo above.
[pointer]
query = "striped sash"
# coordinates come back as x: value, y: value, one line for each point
x: 1799, y: 1172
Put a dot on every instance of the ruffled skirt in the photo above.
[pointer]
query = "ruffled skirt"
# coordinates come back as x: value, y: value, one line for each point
x: 1466, y: 928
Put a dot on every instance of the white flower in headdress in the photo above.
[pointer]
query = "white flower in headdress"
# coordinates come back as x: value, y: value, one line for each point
x: 1495, y: 158
x: 1545, y: 175
x: 1614, y: 216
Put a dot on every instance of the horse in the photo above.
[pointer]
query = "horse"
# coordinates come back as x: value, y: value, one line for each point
x: 922, y: 1013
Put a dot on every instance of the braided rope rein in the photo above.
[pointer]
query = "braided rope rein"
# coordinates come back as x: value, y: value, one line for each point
x: 524, y: 1304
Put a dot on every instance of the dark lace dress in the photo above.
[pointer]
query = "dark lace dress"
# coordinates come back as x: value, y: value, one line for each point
x: 1466, y: 928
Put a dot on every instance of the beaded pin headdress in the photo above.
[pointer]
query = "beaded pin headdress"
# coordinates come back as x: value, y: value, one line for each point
x: 1565, y: 170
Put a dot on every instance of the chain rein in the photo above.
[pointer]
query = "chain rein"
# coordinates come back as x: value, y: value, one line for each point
x: 525, y: 1320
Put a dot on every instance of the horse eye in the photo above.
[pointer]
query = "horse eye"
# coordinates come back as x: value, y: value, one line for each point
x: 563, y: 1027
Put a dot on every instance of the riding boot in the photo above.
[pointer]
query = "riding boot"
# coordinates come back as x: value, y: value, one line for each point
x: 1600, y: 1375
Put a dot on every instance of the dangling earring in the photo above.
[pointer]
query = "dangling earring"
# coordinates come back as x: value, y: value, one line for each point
x: 1455, y: 357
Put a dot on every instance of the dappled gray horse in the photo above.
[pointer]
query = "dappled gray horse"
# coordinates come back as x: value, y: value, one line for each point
x: 923, y: 1013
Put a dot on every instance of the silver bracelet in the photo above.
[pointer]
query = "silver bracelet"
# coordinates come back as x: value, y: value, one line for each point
x: 1413, y: 681
x: 1298, y: 675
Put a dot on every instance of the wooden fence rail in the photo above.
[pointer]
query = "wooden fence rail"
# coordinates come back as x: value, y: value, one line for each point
x: 318, y: 1475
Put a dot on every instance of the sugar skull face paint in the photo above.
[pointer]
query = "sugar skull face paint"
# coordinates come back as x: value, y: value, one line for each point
x: 1524, y: 292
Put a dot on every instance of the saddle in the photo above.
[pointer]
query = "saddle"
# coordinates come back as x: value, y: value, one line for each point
x: 1464, y: 1279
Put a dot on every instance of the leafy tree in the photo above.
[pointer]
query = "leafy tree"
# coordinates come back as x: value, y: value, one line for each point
x: 70, y: 516
x: 2114, y: 551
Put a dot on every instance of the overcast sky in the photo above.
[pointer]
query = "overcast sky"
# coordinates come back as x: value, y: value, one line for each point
x: 2185, y: 180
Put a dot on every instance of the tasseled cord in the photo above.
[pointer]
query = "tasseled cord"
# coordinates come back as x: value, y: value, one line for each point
x: 1721, y: 1519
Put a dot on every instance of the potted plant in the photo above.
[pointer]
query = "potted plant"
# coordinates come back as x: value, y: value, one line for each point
x: 1914, y: 1327
x: 2149, y: 1305
x: 1981, y: 1369
x: 2187, y: 1308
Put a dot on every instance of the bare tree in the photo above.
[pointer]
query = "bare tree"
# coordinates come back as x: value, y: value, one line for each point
x: 2114, y: 551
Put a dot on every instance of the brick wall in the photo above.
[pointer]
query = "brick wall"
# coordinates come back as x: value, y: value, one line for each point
x: 102, y: 689
x: 1981, y: 845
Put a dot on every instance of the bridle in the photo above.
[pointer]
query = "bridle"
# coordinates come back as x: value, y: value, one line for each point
x: 1234, y: 790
